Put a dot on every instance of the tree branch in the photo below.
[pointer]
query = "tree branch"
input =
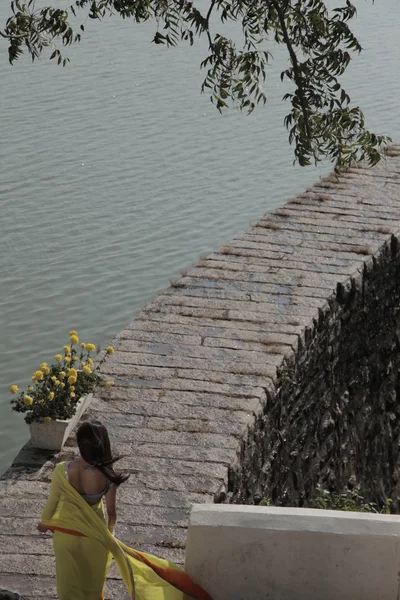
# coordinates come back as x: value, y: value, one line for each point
x: 207, y: 24
x: 295, y: 63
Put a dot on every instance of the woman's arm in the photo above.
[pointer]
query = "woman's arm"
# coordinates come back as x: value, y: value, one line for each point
x: 111, y: 505
x: 51, y: 505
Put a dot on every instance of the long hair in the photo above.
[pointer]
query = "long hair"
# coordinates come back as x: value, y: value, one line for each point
x: 95, y: 448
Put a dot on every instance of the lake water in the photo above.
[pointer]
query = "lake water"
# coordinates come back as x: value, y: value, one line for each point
x: 116, y: 173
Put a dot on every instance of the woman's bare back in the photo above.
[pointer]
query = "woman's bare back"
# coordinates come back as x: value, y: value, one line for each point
x: 86, y: 479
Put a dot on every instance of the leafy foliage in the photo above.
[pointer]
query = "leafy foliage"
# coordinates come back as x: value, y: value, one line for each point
x: 350, y: 500
x: 264, y: 502
x: 321, y: 122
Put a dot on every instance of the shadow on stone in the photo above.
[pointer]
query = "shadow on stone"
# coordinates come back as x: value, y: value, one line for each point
x: 6, y: 595
x: 29, y: 460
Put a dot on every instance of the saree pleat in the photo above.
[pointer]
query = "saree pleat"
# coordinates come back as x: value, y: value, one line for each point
x: 84, y: 547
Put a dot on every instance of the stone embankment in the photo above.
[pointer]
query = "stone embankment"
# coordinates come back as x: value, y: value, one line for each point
x: 268, y: 368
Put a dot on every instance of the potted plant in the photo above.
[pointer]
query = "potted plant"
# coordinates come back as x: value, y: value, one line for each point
x: 59, y: 394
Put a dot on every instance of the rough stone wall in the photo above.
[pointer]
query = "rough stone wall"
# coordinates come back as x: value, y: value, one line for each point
x: 334, y: 417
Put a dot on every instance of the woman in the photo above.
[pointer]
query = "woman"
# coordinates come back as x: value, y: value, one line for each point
x: 83, y: 539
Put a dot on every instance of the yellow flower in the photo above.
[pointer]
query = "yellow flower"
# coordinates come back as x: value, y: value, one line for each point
x: 57, y: 382
x: 30, y: 388
x: 61, y: 374
x: 71, y: 379
x: 41, y: 402
x: 90, y: 361
x: 87, y: 369
x: 110, y: 350
x: 76, y: 358
x: 54, y: 378
x: 83, y: 345
x: 67, y: 349
x: 72, y: 395
x: 109, y: 383
x: 28, y: 400
x: 43, y: 366
x: 83, y: 364
x: 51, y: 396
x: 90, y: 347
x: 73, y: 332
x: 62, y: 385
x: 67, y: 359
x: 74, y: 339
x: 46, y: 370
x: 72, y: 388
x: 58, y: 357
x: 14, y: 389
x: 47, y: 419
x: 37, y: 376
x: 72, y: 372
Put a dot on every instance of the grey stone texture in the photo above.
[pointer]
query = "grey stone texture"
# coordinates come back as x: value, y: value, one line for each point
x: 268, y: 368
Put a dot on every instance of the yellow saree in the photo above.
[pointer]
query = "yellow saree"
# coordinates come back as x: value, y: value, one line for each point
x: 84, y: 547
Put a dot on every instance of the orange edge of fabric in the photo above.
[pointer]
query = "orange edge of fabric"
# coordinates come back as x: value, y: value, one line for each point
x: 178, y: 579
x: 63, y: 530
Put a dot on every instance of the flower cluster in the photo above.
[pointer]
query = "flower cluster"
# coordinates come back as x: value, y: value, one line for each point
x: 57, y: 388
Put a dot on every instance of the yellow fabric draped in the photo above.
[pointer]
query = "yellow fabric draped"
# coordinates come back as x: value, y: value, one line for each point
x: 84, y: 546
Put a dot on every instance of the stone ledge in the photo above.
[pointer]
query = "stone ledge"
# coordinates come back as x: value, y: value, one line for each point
x: 247, y: 552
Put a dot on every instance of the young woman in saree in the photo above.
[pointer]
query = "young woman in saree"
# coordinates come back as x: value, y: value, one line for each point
x: 83, y: 538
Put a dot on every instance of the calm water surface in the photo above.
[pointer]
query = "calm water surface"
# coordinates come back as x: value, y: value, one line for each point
x: 116, y: 173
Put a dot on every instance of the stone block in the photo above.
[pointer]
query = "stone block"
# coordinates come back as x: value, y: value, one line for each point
x: 254, y: 553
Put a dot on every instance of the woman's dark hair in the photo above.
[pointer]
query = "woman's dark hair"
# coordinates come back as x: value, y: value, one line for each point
x: 95, y: 448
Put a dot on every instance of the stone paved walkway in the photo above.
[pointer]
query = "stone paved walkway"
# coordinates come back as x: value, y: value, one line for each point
x: 192, y: 370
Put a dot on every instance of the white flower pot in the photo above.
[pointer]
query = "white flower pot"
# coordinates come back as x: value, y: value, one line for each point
x: 53, y: 435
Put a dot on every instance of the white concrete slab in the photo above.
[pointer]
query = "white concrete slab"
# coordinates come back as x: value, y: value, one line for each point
x: 258, y: 553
